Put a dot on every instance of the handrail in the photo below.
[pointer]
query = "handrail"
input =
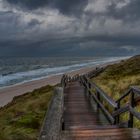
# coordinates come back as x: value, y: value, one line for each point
x: 118, y: 110
x: 121, y: 110
x: 95, y: 72
x: 136, y: 90
x: 109, y: 116
x: 133, y: 89
x: 104, y: 95
x: 98, y: 93
x: 96, y: 96
x: 132, y: 104
x: 126, y: 109
x: 124, y: 95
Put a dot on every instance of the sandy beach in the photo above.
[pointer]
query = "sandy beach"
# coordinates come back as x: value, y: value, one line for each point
x: 8, y: 93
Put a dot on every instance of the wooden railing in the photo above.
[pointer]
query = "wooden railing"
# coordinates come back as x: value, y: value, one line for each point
x: 94, y: 73
x: 96, y: 93
x: 100, y: 96
x: 134, y: 94
x: 66, y: 79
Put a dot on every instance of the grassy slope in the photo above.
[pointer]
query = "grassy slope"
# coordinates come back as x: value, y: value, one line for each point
x: 21, y: 119
x: 117, y: 78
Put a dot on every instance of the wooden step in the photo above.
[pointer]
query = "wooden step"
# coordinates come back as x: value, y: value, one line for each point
x: 90, y: 127
x: 106, y: 134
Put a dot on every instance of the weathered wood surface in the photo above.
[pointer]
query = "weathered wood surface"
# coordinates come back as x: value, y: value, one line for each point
x: 52, y: 123
x: 107, y: 134
x: 83, y: 121
x: 78, y: 112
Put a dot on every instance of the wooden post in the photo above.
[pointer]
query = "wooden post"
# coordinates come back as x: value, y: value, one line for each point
x: 98, y: 97
x: 84, y: 83
x: 131, y: 117
x: 117, y: 118
x: 65, y: 82
x: 63, y: 125
x: 89, y: 93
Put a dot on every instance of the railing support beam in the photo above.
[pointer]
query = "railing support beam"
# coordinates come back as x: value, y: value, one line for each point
x: 98, y: 97
x: 117, y: 118
x: 131, y: 117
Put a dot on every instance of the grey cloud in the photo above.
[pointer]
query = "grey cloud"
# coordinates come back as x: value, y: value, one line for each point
x: 114, y: 31
x: 71, y: 49
x: 129, y: 12
x: 70, y: 7
x: 33, y: 22
x: 8, y: 21
x: 30, y: 4
x: 86, y: 46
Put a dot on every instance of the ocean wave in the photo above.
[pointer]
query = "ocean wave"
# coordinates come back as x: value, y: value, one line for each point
x: 14, y: 78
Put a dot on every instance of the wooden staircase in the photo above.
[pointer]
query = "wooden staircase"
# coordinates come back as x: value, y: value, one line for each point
x: 82, y: 120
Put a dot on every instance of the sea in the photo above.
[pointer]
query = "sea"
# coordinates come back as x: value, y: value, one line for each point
x: 17, y: 70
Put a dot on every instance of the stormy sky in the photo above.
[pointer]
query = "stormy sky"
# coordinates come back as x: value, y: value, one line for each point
x: 69, y: 27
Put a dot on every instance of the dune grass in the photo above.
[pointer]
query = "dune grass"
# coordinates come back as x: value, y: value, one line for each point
x: 22, y: 118
x: 118, y: 78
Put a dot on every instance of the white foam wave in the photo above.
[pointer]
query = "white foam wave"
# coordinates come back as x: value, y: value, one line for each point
x: 44, y: 72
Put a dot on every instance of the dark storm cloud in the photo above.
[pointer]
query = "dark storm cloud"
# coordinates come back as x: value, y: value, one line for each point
x: 72, y: 49
x: 70, y: 6
x: 80, y: 46
x: 30, y: 4
x: 131, y: 11
x: 81, y: 27
x: 64, y: 6
x: 8, y: 20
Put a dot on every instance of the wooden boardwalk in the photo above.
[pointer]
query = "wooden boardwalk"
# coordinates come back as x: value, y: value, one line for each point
x: 78, y: 112
x: 83, y: 121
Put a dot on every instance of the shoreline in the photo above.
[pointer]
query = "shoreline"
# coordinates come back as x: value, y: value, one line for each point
x: 8, y: 93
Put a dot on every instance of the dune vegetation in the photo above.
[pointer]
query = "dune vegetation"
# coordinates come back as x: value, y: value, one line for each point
x: 118, y: 78
x: 22, y: 118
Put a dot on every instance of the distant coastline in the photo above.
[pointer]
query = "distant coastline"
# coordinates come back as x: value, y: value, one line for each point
x: 8, y: 93
x: 19, y: 71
